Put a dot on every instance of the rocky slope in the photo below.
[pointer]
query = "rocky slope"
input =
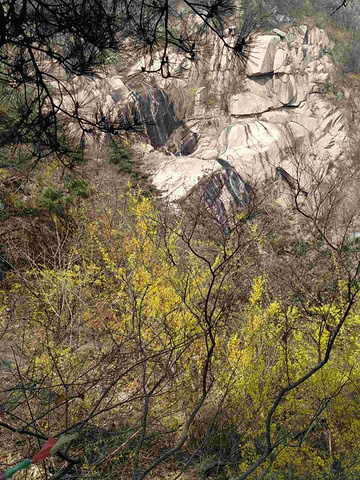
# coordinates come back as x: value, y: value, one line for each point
x: 265, y: 115
x: 280, y: 116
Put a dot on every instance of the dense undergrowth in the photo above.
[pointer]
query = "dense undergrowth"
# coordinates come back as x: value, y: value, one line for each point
x: 163, y: 343
x: 144, y: 336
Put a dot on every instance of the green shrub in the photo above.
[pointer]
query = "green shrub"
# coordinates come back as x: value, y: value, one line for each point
x: 54, y: 200
x: 340, y: 52
x: 78, y: 188
x: 327, y: 87
x: 121, y: 157
x: 300, y: 248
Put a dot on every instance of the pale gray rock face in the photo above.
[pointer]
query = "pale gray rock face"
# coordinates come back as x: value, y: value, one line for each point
x: 284, y: 87
x: 92, y: 99
x: 279, y: 108
x: 280, y: 62
x: 248, y: 103
x: 266, y: 115
x: 171, y: 175
x: 263, y: 52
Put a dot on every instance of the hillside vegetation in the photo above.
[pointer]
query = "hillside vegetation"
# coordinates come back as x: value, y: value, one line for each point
x: 171, y: 346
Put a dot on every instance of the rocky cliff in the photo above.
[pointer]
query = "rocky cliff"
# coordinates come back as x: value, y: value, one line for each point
x: 273, y: 115
x: 265, y: 114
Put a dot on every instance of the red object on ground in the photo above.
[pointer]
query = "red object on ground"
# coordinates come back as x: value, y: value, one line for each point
x: 45, y: 450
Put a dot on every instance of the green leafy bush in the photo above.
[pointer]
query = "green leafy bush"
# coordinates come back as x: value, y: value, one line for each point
x: 300, y: 248
x: 327, y: 87
x: 78, y: 188
x: 121, y: 157
x: 54, y: 200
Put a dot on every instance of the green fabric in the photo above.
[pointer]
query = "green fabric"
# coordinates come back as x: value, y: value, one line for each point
x: 20, y: 466
x: 62, y: 440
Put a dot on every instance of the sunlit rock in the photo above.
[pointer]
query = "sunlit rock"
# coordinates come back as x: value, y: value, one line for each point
x: 280, y: 61
x: 176, y: 176
x: 284, y: 87
x: 248, y: 103
x: 261, y: 55
x: 268, y: 114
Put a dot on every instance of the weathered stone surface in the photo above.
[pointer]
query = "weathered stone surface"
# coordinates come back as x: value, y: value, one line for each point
x: 284, y: 87
x: 176, y: 176
x: 118, y: 90
x: 261, y: 85
x: 297, y: 36
x: 280, y: 61
x: 280, y: 116
x: 181, y: 142
x: 200, y: 98
x: 210, y: 154
x: 321, y: 77
x: 248, y: 103
x: 157, y: 114
x: 276, y: 102
x: 279, y: 32
x: 261, y: 55
x: 318, y: 37
x: 302, y: 89
x: 251, y: 147
x: 291, y: 78
x: 304, y: 31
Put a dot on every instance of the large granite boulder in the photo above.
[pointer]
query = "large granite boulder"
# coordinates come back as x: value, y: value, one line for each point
x: 248, y: 103
x: 285, y: 87
x: 262, y: 54
x: 176, y: 176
